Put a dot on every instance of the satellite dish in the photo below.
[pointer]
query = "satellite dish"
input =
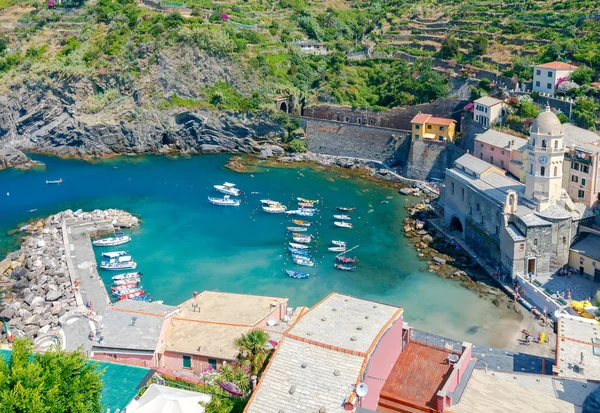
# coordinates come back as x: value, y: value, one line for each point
x: 361, y: 390
x: 271, y: 322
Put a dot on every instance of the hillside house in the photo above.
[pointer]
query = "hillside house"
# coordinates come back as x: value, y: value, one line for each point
x: 547, y: 75
x: 488, y: 111
x: 428, y: 127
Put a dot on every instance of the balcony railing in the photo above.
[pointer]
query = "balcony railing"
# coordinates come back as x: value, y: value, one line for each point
x: 545, y: 148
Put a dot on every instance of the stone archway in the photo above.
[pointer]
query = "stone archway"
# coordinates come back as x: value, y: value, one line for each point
x: 456, y: 225
x: 283, y: 107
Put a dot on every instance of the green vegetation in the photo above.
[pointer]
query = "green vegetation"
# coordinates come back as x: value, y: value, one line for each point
x: 52, y: 382
x: 253, y: 350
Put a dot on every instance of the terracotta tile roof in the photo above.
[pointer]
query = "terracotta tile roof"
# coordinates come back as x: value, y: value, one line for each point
x: 558, y: 66
x: 440, y: 121
x: 420, y: 118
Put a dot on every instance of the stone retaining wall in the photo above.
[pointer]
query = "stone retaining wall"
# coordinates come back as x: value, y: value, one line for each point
x: 429, y: 160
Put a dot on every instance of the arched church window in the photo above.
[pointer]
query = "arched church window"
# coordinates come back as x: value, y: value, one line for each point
x: 555, y: 144
x: 531, y: 168
x: 564, y: 240
x: 544, y: 143
x: 555, y: 171
x: 533, y: 142
x: 543, y: 171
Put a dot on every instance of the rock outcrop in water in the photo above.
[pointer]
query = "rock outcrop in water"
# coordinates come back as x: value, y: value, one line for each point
x: 11, y: 157
x: 35, y: 280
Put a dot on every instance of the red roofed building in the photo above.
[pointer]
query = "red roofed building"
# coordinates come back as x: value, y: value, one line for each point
x: 427, y: 127
x: 547, y: 75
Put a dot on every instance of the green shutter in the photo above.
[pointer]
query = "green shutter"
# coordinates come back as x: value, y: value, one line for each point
x: 187, y: 362
x: 213, y: 363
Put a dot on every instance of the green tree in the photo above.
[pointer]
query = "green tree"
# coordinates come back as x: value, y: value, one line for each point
x: 52, y: 382
x: 584, y: 113
x: 528, y: 110
x: 480, y: 44
x: 562, y: 117
x: 582, y: 76
x: 450, y: 47
x: 253, y: 349
x: 3, y: 44
x: 298, y: 145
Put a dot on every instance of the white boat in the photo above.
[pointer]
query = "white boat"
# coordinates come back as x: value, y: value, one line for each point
x: 118, y: 266
x: 126, y: 276
x: 300, y: 260
x: 127, y: 281
x: 339, y: 243
x: 299, y: 246
x: 343, y: 217
x: 274, y: 208
x: 122, y: 258
x: 302, y: 239
x: 225, y: 201
x: 342, y: 224
x: 112, y: 241
x: 114, y: 254
x: 297, y: 229
x: 269, y: 202
x: 310, y: 201
x: 292, y: 211
x: 229, y: 189
x: 337, y: 249
x: 303, y: 213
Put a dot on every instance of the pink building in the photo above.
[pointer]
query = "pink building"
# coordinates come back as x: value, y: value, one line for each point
x: 502, y: 150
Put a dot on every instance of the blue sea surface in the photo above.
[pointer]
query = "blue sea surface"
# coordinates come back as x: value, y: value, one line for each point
x: 186, y: 244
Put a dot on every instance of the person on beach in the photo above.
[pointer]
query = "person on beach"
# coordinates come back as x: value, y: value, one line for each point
x: 195, y: 294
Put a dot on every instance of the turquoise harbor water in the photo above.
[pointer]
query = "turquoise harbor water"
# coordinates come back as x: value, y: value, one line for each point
x: 185, y: 243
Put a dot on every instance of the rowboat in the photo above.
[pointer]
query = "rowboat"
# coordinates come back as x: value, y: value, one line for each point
x: 118, y: 266
x: 123, y: 287
x: 345, y: 209
x: 336, y: 249
x: 225, y: 201
x: 112, y: 241
x: 60, y: 181
x: 127, y: 276
x: 229, y: 189
x: 301, y: 223
x: 298, y: 251
x: 342, y: 224
x: 305, y: 261
x: 132, y: 295
x: 297, y: 229
x: 344, y: 267
x: 297, y: 275
x: 114, y: 254
x: 274, y: 208
x: 339, y: 243
x: 308, y: 201
x: 299, y: 246
x: 342, y: 217
x: 127, y: 281
x: 302, y: 239
x: 345, y: 260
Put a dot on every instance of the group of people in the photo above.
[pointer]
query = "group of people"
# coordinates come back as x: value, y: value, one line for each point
x: 529, y: 338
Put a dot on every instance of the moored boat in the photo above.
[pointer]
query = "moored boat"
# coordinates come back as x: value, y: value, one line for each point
x: 301, y: 223
x: 123, y: 287
x: 342, y: 224
x: 56, y: 182
x: 127, y: 276
x: 336, y: 249
x: 297, y: 229
x: 342, y: 217
x: 229, y: 189
x: 297, y: 274
x: 339, y: 243
x: 269, y: 202
x: 114, y: 254
x: 304, y: 261
x: 345, y: 209
x: 225, y: 201
x: 274, y: 208
x: 126, y: 281
x: 122, y: 258
x: 299, y: 251
x: 118, y: 239
x: 304, y: 213
x: 118, y: 266
x: 302, y: 240
x: 132, y: 294
x: 345, y: 260
x: 299, y: 246
x: 305, y: 204
x: 308, y: 201
x: 344, y: 267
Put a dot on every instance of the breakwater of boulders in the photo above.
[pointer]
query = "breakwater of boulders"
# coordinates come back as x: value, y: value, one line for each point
x: 36, y: 288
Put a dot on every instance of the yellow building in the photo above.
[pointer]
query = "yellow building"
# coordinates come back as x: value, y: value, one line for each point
x: 584, y: 256
x: 428, y: 127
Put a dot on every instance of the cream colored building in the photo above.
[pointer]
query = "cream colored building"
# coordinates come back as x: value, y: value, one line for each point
x: 584, y: 256
x: 581, y: 171
x: 488, y: 111
x: 547, y: 75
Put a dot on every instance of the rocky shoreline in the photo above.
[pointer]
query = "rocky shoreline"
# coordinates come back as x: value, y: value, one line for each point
x: 36, y: 288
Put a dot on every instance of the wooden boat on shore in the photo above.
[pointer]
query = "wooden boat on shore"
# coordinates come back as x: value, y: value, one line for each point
x: 344, y: 267
x: 343, y: 217
x: 339, y: 243
x: 228, y: 189
x: 118, y: 239
x: 127, y: 276
x: 337, y: 249
x: 297, y: 275
x: 118, y: 266
x: 343, y: 209
x: 114, y: 254
x: 345, y: 260
x: 56, y: 182
x: 301, y: 223
x: 297, y: 229
x: 342, y: 224
x: 225, y: 201
x: 299, y: 246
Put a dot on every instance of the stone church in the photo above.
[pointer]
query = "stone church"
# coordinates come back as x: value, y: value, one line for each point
x: 522, y: 228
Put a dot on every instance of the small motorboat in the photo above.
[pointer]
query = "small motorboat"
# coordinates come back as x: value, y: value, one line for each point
x: 292, y: 212
x: 301, y: 223
x: 297, y: 229
x: 297, y: 275
x: 115, y: 254
x: 123, y: 287
x: 305, y: 204
x: 126, y: 290
x: 308, y: 201
x: 303, y: 213
x: 225, y: 201
x: 342, y: 217
x: 345, y: 260
x: 118, y: 239
x: 337, y: 249
x: 118, y: 266
x: 342, y: 224
x: 302, y: 240
x: 126, y: 281
x: 122, y: 258
x: 299, y: 246
x: 144, y: 297
x: 339, y: 243
x: 127, y: 276
x: 229, y: 189
x: 299, y: 251
x: 269, y: 202
x: 344, y: 267
x: 60, y: 181
x: 345, y: 209
x: 274, y: 208
x: 132, y: 295
x: 305, y: 261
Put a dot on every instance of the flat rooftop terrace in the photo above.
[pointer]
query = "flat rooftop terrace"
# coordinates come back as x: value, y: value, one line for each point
x: 418, y: 374
x: 577, y: 338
